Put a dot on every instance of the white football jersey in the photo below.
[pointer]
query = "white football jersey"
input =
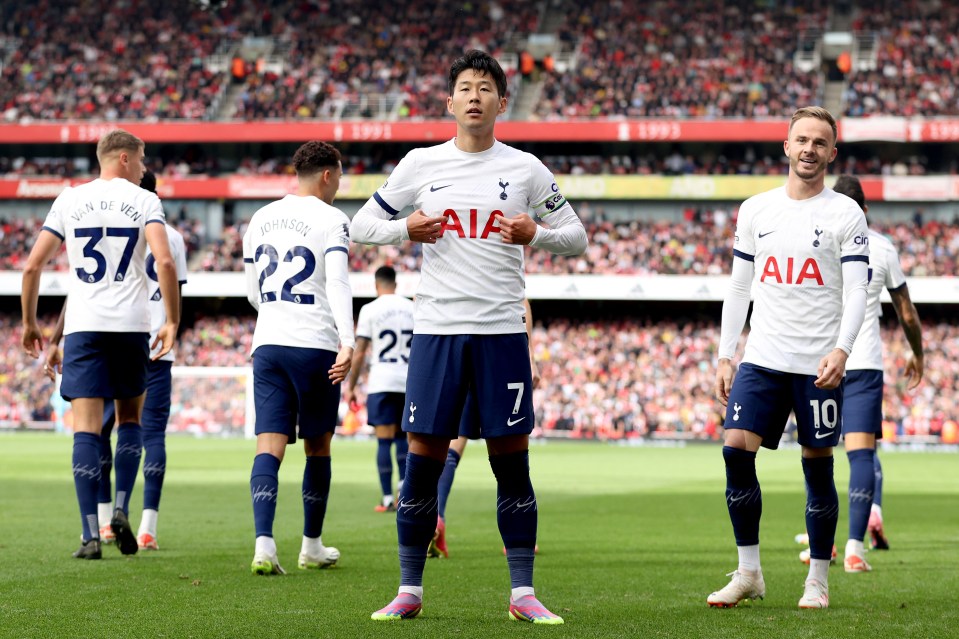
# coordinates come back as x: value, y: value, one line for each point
x: 286, y: 243
x: 797, y: 248
x: 102, y: 223
x: 157, y: 307
x: 471, y: 282
x: 884, y: 272
x: 387, y: 322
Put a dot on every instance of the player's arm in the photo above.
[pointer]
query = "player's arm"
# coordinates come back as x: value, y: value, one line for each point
x: 341, y: 304
x: 912, y: 327
x: 156, y: 237
x: 378, y: 222
x: 566, y: 234
x: 832, y: 367
x: 529, y: 338
x: 46, y: 246
x: 359, y: 360
x: 54, y: 363
x: 735, y: 310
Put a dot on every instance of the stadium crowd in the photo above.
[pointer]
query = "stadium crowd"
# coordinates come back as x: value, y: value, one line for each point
x: 603, y: 379
x: 917, y: 61
x: 682, y: 59
x: 366, y: 59
x: 105, y: 60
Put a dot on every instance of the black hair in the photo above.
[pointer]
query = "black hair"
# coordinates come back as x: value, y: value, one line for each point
x: 314, y: 156
x: 385, y: 275
x: 850, y: 187
x: 484, y: 64
x: 149, y: 182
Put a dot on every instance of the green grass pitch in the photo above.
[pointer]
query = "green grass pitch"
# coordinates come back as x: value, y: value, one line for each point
x: 632, y: 541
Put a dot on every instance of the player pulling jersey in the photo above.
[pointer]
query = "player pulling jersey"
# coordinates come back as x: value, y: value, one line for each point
x: 472, y: 282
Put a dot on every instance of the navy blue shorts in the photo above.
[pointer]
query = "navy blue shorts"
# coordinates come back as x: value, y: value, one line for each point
x: 384, y: 409
x: 445, y: 369
x: 291, y: 387
x: 107, y: 365
x: 470, y: 420
x: 761, y: 399
x: 156, y: 405
x: 862, y: 403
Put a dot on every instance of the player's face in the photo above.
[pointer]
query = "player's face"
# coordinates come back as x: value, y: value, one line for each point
x: 135, y: 168
x: 475, y: 102
x: 334, y: 181
x: 810, y: 148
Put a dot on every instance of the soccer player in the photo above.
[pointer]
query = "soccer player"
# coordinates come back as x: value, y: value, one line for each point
x: 295, y: 253
x: 472, y: 196
x: 804, y: 250
x: 106, y: 225
x: 862, y: 394
x: 156, y: 405
x: 469, y: 429
x: 386, y: 324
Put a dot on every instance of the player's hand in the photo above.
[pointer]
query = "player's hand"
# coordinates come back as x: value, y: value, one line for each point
x: 423, y: 228
x: 341, y: 368
x: 32, y: 340
x: 517, y: 230
x: 914, y: 369
x: 166, y: 336
x: 725, y: 371
x: 831, y: 369
x: 348, y: 395
x: 535, y: 370
x: 54, y: 363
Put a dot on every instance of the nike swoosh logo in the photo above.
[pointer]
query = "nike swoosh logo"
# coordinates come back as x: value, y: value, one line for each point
x: 762, y: 235
x: 512, y: 422
x: 434, y: 189
x: 824, y: 435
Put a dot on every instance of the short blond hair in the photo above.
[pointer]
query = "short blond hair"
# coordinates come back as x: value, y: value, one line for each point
x: 820, y: 114
x: 117, y: 140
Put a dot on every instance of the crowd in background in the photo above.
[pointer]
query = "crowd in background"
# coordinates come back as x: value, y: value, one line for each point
x: 601, y: 379
x: 744, y: 160
x: 357, y: 58
x: 917, y: 62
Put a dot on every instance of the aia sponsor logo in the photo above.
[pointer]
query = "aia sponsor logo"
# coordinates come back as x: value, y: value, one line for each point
x: 786, y: 272
x: 476, y: 225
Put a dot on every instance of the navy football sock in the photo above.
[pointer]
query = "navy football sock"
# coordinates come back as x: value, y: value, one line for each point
x: 416, y: 516
x: 822, y: 506
x: 316, y: 492
x: 264, y: 484
x: 402, y: 448
x: 104, y: 489
x: 384, y: 465
x: 877, y: 471
x: 744, y: 498
x: 86, y: 475
x: 446, y: 481
x: 127, y: 462
x: 154, y: 468
x: 862, y: 479
x: 516, y: 514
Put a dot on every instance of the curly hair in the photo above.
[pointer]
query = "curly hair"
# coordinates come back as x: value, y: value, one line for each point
x: 314, y: 156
